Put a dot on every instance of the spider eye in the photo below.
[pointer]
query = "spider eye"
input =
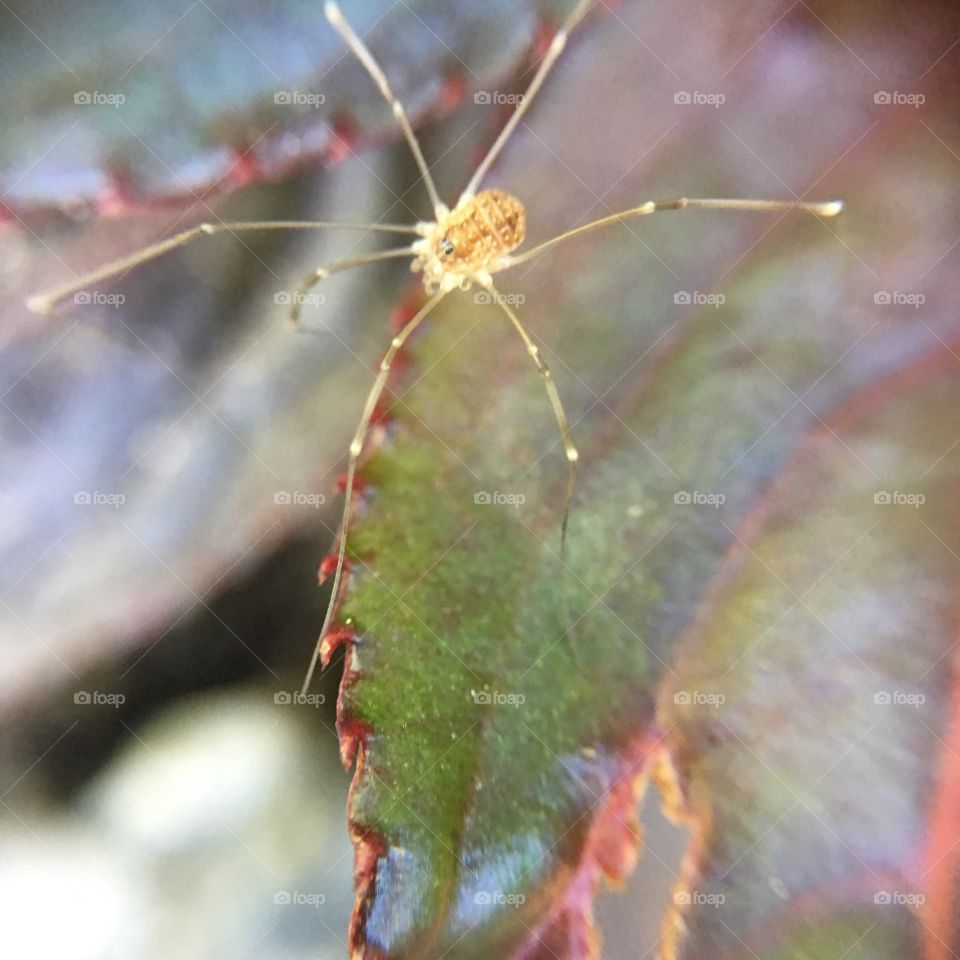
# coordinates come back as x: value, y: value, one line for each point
x: 446, y: 247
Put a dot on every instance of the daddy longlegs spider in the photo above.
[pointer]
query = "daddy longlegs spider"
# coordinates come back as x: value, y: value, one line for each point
x: 459, y: 248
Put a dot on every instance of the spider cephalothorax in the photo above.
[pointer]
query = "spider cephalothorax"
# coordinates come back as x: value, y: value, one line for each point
x: 469, y: 243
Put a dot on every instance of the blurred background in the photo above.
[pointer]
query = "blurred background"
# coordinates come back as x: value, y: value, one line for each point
x: 171, y: 448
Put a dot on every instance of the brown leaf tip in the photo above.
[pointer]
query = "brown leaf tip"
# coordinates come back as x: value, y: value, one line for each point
x: 333, y: 639
x: 610, y: 853
x: 328, y: 567
x: 368, y: 849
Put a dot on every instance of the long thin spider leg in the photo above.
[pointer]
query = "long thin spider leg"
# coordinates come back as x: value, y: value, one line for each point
x: 363, y: 54
x: 829, y: 208
x: 44, y: 303
x: 338, y: 266
x: 356, y: 448
x: 554, y: 51
x: 555, y: 402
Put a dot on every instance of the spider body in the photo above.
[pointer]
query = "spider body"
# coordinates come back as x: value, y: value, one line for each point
x: 469, y: 243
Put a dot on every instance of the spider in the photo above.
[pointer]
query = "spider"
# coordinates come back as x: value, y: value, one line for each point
x: 461, y: 247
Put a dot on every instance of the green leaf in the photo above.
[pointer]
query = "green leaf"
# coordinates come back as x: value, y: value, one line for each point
x: 733, y: 598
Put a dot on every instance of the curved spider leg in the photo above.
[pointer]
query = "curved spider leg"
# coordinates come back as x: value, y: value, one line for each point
x: 356, y: 448
x: 828, y: 208
x: 339, y: 23
x: 338, y: 266
x: 562, y: 422
x: 553, y: 52
x: 44, y: 303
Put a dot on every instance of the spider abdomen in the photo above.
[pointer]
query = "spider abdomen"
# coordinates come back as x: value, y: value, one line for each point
x: 487, y: 226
